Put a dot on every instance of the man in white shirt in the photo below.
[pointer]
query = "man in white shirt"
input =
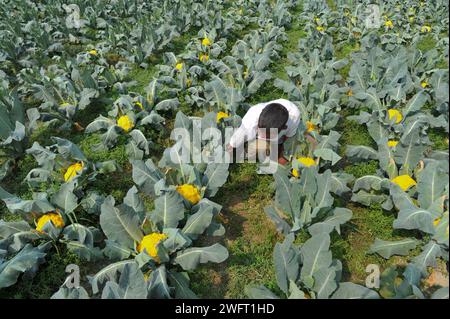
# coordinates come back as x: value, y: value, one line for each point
x: 281, y: 114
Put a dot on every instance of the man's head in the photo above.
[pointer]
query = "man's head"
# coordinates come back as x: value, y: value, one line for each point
x: 273, y: 116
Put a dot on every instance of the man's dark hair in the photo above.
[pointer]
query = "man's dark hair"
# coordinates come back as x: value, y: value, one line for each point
x: 274, y: 115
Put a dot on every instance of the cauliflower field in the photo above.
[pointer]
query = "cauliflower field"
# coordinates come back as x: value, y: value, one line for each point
x: 90, y: 91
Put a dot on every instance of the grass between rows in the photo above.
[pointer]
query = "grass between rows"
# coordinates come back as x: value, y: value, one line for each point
x: 52, y: 273
x: 250, y: 259
x: 244, y: 252
x: 250, y: 236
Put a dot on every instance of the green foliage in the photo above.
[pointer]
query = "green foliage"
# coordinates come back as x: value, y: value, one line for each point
x: 118, y: 153
x: 46, y: 281
x: 426, y: 43
x: 362, y: 169
x: 355, y: 134
x: 345, y: 78
x: 439, y: 138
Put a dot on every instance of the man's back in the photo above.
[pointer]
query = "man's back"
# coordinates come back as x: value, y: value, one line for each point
x: 249, y: 127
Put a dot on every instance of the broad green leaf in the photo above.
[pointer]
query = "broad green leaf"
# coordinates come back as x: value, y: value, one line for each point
x: 259, y: 292
x: 182, y: 121
x: 153, y: 119
x: 189, y: 258
x: 386, y: 249
x: 327, y: 146
x: 109, y: 138
x: 100, y: 123
x: 120, y: 223
x: 439, y: 82
x: 133, y: 200
x: 197, y: 223
x: 323, y: 197
x: 428, y: 257
x: 412, y: 274
x: 115, y: 251
x: 180, y: 281
x: 441, y: 234
x: 28, y: 259
x: 257, y: 81
x: 37, y: 176
x: 131, y: 284
x: 287, y: 196
x: 17, y: 135
x: 368, y: 182
x: 133, y: 151
x: 431, y: 184
x: 9, y: 228
x: 325, y: 282
x: 372, y: 99
x: 367, y: 199
x: 92, y: 202
x: 70, y: 293
x: 140, y: 140
x: 333, y: 222
x: 16, y: 235
x: 214, y: 177
x: 410, y: 216
x: 415, y: 103
x: 349, y: 290
x: 87, y: 94
x: 281, y: 225
x: 166, y: 105
x: 109, y: 273
x: 176, y: 240
x: 69, y: 150
x: 43, y: 156
x: 308, y: 181
x: 286, y: 263
x: 401, y: 199
x: 17, y: 205
x: 146, y: 175
x: 81, y: 240
x: 328, y: 155
x: 169, y: 210
x: 315, y: 255
x: 295, y: 292
x: 339, y: 183
x: 157, y: 286
x: 361, y: 153
x: 415, y: 218
x: 409, y: 154
x: 65, y: 199
x: 441, y: 293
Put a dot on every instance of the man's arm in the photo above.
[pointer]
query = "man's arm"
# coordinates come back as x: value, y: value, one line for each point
x: 292, y: 130
x: 238, y: 138
x: 246, y: 131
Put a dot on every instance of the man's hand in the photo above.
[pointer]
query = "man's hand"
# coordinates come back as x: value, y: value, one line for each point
x: 282, y: 160
x: 229, y: 148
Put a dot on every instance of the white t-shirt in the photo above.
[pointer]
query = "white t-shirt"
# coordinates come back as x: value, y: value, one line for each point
x: 248, y: 129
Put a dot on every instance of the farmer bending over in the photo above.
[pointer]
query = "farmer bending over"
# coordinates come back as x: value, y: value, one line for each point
x: 281, y: 114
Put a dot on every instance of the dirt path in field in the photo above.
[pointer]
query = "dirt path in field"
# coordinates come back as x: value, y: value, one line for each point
x: 250, y: 237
